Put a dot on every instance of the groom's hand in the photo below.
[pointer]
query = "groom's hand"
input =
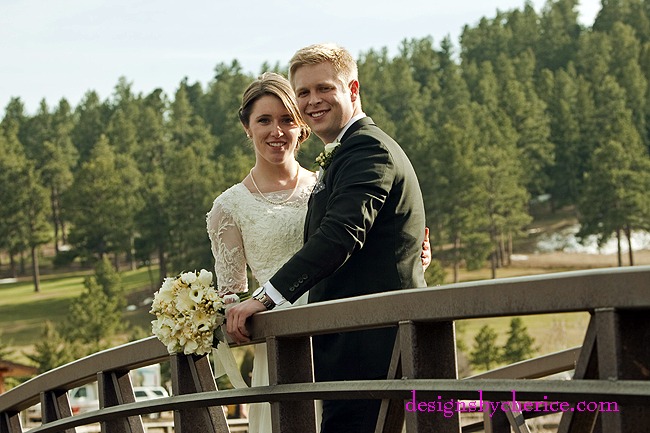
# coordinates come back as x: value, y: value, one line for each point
x: 426, y: 250
x: 236, y: 317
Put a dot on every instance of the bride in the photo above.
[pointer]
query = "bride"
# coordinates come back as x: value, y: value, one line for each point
x: 259, y: 221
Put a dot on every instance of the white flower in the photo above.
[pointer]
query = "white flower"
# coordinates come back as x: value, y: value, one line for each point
x: 329, y: 147
x: 205, y: 278
x: 213, y: 296
x: 324, y: 159
x: 196, y: 293
x: 188, y: 277
x: 188, y: 312
x: 167, y: 286
x: 191, y: 348
x: 184, y: 301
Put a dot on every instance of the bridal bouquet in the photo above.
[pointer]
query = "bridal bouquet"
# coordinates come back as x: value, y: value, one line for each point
x: 188, y: 313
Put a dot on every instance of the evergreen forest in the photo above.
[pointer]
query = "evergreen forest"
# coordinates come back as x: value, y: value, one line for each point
x: 530, y: 106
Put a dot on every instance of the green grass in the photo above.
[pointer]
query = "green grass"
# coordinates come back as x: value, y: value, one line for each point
x: 23, y: 311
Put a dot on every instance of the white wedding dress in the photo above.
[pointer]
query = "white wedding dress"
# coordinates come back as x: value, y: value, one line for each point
x: 245, y: 228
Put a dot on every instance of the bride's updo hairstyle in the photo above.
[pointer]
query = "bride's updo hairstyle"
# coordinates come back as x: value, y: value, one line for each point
x: 276, y: 85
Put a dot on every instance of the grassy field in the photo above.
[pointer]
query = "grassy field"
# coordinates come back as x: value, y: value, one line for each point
x: 23, y: 311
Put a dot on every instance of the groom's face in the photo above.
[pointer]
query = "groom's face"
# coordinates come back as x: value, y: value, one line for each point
x: 325, y: 102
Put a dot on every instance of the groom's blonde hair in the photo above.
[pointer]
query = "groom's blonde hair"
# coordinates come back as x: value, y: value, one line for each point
x: 343, y: 62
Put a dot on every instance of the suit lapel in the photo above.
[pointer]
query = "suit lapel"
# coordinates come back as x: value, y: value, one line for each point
x: 351, y: 130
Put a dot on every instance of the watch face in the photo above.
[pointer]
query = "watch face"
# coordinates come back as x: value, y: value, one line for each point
x: 258, y: 292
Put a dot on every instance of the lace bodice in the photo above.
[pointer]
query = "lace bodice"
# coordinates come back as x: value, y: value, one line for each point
x: 246, y: 229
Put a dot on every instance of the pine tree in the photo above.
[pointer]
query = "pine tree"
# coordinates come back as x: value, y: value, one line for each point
x: 92, y: 117
x: 485, y: 351
x: 95, y: 317
x: 35, y: 212
x: 626, y: 69
x: 559, y: 35
x: 519, y: 345
x: 51, y: 350
x: 153, y: 159
x: 15, y: 187
x: 615, y: 200
x: 103, y: 202
x: 527, y: 114
x: 568, y: 167
x: 60, y: 158
x: 191, y: 185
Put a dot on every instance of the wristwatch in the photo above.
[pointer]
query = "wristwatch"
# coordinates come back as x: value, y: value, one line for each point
x: 260, y: 295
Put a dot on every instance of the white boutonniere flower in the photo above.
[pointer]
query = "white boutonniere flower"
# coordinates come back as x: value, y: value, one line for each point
x: 324, y: 159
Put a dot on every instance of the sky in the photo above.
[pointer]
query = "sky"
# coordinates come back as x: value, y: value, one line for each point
x: 65, y: 48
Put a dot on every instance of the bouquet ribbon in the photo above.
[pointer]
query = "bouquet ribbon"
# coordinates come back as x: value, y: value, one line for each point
x: 225, y: 362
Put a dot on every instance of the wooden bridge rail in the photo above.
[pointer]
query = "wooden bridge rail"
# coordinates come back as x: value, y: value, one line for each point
x: 613, y: 364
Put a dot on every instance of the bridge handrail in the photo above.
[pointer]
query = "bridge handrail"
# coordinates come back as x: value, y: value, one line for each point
x: 592, y: 290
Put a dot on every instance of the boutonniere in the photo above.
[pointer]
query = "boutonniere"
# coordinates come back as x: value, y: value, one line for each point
x: 324, y: 158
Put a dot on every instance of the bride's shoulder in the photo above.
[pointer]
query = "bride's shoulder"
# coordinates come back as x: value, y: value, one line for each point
x: 229, y: 197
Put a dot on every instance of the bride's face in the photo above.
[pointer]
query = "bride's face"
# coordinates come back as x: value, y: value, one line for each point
x: 273, y: 130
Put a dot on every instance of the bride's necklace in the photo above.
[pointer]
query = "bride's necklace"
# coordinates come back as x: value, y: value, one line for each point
x: 281, y: 201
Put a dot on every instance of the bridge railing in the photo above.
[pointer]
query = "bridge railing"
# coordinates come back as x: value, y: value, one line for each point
x: 613, y: 364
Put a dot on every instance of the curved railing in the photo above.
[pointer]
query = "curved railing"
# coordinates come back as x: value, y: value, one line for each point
x: 613, y: 364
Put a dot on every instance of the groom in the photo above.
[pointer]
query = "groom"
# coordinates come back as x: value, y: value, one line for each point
x: 363, y: 231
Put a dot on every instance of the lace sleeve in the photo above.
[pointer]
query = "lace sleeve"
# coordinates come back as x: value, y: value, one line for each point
x: 228, y: 251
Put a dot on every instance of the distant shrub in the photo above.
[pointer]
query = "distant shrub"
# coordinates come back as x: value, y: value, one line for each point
x: 64, y: 258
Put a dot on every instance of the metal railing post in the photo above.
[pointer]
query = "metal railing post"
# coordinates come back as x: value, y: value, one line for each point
x: 290, y: 362
x: 10, y: 423
x: 623, y: 354
x: 429, y: 352
x: 115, y: 388
x: 54, y: 406
x: 192, y: 374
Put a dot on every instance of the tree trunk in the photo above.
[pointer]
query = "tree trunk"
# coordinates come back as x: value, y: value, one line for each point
x: 55, y: 219
x: 162, y: 262
x: 502, y: 252
x: 456, y: 257
x: 495, y: 249
x: 493, y: 264
x: 510, y: 248
x: 630, y: 252
x: 23, y: 267
x: 132, y: 260
x: 12, y: 266
x: 64, y: 237
x: 35, y: 270
x: 618, y: 248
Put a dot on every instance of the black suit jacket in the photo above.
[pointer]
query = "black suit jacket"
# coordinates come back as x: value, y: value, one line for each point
x: 363, y: 234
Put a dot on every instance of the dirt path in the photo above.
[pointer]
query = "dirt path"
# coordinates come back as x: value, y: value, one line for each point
x: 576, y: 260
